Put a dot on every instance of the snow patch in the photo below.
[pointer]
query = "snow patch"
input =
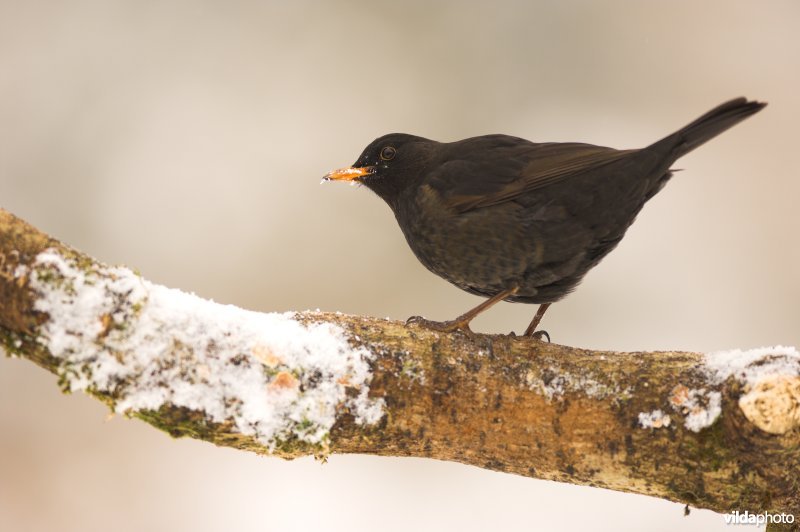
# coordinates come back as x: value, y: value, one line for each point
x: 20, y: 271
x: 753, y: 365
x: 654, y: 420
x: 271, y: 376
x: 700, y: 407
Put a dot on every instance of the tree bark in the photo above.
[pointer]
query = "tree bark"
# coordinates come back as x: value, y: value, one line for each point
x: 712, y: 431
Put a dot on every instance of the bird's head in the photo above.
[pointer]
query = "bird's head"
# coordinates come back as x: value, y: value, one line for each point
x: 390, y: 165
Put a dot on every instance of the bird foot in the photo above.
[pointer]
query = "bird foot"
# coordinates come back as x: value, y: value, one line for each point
x: 538, y: 335
x: 442, y: 326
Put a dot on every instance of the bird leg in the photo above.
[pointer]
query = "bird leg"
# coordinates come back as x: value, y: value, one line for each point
x: 531, y: 330
x: 461, y: 323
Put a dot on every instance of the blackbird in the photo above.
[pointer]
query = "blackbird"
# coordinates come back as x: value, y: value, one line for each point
x: 514, y: 220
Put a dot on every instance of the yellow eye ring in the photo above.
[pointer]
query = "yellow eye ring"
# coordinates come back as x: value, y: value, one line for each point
x: 388, y: 153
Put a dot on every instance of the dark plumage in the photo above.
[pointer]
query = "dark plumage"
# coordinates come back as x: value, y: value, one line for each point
x: 510, y: 219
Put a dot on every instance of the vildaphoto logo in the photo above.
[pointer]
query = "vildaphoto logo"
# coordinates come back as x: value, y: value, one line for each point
x: 746, y: 518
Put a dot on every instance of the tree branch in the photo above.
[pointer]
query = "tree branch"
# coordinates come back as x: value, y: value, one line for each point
x: 718, y: 431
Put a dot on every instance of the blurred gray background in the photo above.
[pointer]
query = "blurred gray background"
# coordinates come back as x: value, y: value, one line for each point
x: 187, y: 139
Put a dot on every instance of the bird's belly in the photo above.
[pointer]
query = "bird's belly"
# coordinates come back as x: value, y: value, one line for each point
x: 484, y: 251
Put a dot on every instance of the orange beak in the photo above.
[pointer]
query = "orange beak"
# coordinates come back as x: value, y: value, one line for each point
x: 348, y: 174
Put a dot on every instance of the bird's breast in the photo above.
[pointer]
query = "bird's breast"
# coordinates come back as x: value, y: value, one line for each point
x: 482, y: 251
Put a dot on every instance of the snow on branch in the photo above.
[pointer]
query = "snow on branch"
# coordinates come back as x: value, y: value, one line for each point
x: 718, y: 430
x: 146, y: 345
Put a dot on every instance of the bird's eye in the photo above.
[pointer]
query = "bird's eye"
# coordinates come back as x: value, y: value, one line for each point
x: 388, y: 153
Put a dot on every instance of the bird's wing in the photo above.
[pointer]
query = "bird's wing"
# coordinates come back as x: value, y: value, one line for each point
x: 497, y: 169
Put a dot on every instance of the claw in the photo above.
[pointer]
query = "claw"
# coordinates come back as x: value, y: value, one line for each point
x: 541, y: 334
x: 538, y: 335
x: 414, y: 319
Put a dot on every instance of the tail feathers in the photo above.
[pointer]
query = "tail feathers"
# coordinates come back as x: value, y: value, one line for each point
x: 708, y: 126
